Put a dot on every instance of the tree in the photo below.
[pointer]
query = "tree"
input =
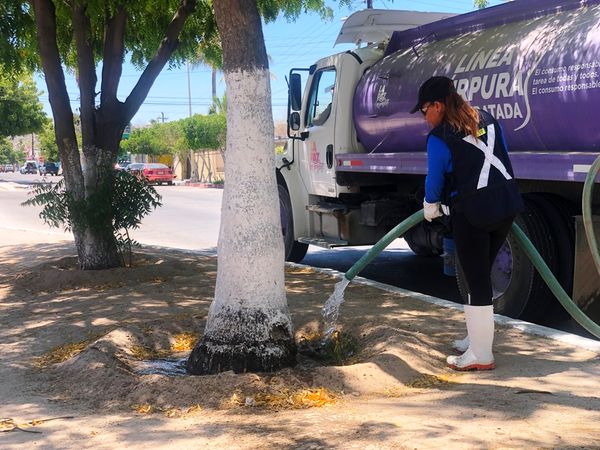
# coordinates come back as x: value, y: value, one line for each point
x: 211, y: 56
x: 20, y: 109
x: 48, y: 147
x: 480, y: 4
x: 219, y: 105
x: 8, y: 155
x: 249, y: 326
x: 78, y: 34
x: 146, y: 141
x: 157, y: 139
x: 204, y: 134
x: 173, y: 135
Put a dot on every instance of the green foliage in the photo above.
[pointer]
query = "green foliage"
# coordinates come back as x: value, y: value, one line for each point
x: 291, y: 9
x: 20, y: 109
x: 219, y: 106
x: 158, y: 139
x: 18, y: 44
x: 144, y: 141
x: 205, y: 132
x: 480, y: 3
x: 8, y: 155
x: 147, y: 21
x: 122, y: 197
x: 48, y: 147
x: 146, y: 24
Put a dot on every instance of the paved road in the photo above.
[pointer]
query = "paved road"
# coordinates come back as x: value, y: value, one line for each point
x: 189, y: 219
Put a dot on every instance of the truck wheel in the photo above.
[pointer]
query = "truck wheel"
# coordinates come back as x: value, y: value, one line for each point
x: 518, y: 289
x: 294, y: 250
x: 558, y: 214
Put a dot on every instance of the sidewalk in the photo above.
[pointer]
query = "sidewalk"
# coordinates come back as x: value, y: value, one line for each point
x: 394, y: 392
x: 189, y: 183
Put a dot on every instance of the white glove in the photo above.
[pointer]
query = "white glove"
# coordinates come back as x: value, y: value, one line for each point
x: 431, y: 210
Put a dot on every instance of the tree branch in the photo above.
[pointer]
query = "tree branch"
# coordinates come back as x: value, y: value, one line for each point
x: 86, y: 72
x: 45, y: 21
x: 112, y: 60
x: 164, y: 52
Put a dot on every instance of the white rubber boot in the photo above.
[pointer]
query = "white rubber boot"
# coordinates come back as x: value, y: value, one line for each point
x: 461, y: 345
x: 480, y: 327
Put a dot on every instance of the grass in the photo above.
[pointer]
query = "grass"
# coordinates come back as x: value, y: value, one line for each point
x: 64, y: 352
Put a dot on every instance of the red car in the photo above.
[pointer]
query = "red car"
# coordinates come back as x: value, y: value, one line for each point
x: 153, y: 172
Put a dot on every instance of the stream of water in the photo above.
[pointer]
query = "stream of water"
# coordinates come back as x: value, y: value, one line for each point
x: 331, y: 309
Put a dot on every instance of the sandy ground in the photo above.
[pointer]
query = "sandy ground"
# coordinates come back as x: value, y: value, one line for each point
x: 73, y: 347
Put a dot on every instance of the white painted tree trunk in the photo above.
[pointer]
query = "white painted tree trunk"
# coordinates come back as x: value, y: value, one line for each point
x: 248, y: 327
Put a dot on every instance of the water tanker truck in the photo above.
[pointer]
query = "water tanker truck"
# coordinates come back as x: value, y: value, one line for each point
x: 355, y: 161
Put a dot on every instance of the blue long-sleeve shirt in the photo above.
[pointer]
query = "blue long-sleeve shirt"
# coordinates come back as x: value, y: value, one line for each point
x: 439, y: 163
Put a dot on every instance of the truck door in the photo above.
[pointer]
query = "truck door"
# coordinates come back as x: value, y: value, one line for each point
x: 316, y: 156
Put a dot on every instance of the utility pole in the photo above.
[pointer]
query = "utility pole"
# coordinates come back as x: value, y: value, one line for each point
x: 162, y: 117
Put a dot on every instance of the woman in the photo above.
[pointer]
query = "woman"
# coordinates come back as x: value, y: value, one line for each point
x: 470, y: 172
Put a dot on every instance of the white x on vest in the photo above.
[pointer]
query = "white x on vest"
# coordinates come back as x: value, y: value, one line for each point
x: 490, y: 158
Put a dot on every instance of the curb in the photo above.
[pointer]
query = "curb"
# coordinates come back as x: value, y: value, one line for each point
x: 200, y: 185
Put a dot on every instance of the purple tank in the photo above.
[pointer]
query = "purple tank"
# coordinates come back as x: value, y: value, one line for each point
x: 534, y: 65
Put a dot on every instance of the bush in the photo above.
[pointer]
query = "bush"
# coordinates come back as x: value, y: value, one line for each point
x: 123, y: 197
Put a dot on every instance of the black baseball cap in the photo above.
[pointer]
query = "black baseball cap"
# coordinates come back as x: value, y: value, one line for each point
x: 433, y: 90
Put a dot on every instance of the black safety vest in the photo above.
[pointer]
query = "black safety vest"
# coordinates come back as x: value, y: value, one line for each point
x: 482, y: 176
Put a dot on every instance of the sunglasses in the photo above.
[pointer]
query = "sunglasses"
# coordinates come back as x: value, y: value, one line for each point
x: 424, y: 109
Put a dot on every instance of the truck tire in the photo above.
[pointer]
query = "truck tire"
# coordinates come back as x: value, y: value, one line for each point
x: 558, y: 214
x: 519, y: 291
x: 294, y: 250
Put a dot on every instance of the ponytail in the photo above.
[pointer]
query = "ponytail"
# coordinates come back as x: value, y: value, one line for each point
x: 461, y: 115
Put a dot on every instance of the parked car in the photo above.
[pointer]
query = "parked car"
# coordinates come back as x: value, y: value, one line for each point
x: 49, y: 168
x: 153, y: 172
x: 122, y: 164
x: 9, y: 168
x: 29, y: 167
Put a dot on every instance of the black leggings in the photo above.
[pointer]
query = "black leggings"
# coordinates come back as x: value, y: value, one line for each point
x: 476, y: 249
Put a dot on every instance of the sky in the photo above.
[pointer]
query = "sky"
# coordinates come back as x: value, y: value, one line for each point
x: 289, y: 44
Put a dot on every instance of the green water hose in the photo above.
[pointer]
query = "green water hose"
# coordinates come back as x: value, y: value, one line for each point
x: 580, y: 317
x: 394, y: 233
x: 586, y: 208
x: 553, y: 283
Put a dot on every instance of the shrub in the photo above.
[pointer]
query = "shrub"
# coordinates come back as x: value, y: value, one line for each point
x: 122, y: 197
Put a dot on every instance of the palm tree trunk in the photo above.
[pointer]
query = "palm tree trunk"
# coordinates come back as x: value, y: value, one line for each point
x: 213, y: 84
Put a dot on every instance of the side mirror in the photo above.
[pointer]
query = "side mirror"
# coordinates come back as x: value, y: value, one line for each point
x: 294, y: 121
x: 295, y: 91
